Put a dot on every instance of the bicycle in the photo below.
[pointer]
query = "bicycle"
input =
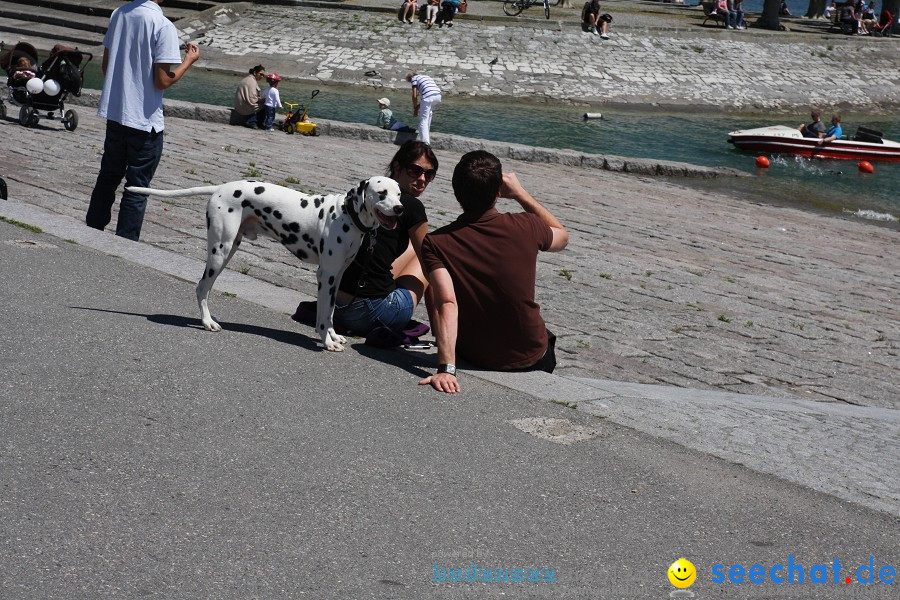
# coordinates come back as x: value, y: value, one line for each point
x: 514, y: 7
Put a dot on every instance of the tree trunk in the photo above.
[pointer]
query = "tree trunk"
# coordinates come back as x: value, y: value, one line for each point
x: 816, y: 9
x: 769, y: 18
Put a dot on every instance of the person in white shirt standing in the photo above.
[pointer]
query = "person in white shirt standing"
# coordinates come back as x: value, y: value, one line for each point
x: 141, y: 58
x: 425, y: 94
x: 271, y: 100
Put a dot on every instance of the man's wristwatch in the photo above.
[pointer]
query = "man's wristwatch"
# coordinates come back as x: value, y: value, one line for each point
x: 449, y: 369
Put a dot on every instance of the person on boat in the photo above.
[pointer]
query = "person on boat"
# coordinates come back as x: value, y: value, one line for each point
x: 835, y: 132
x: 816, y: 129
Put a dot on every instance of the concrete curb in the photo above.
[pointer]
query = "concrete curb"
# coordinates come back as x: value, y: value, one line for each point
x: 455, y: 143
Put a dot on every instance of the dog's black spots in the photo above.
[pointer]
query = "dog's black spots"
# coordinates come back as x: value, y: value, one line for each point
x: 212, y: 272
x: 258, y: 212
x: 329, y: 252
x: 301, y: 254
x: 382, y: 194
x: 346, y: 228
x: 322, y: 245
x: 361, y: 188
x: 237, y: 194
x: 230, y: 209
x: 339, y: 240
x: 258, y: 190
x: 306, y: 238
x: 267, y: 210
x: 331, y: 280
x: 285, y: 226
x: 333, y: 216
x: 221, y: 245
x: 304, y: 203
x: 207, y: 221
x: 331, y: 208
x: 321, y: 213
x: 295, y: 226
x: 276, y: 214
x: 213, y: 250
x: 320, y: 285
x: 245, y: 204
x: 317, y: 201
x: 315, y: 251
x: 322, y: 327
x: 291, y: 239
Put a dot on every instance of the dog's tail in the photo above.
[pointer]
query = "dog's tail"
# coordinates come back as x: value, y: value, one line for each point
x: 195, y: 191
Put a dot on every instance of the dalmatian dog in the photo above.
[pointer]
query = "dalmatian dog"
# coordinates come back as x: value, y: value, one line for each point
x: 326, y: 230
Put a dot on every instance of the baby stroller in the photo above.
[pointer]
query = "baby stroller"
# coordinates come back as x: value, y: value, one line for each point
x: 46, y: 88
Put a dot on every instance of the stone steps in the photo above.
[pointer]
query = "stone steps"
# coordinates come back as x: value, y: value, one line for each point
x: 44, y: 23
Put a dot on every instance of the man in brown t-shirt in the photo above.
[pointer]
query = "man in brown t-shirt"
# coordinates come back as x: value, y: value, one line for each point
x: 482, y: 270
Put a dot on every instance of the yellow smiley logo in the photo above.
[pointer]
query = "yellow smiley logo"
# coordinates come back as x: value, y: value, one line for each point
x: 682, y: 573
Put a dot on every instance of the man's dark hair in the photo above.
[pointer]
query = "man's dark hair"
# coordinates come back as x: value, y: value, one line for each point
x: 477, y: 180
x: 257, y: 69
x: 410, y: 152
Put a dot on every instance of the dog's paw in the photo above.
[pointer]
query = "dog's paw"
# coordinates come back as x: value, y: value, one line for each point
x: 211, y: 325
x: 334, y: 342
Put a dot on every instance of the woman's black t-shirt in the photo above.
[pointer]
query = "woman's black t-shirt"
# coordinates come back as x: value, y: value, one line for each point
x: 374, y: 270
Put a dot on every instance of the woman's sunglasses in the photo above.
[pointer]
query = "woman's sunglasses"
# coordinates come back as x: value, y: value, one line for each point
x: 415, y: 171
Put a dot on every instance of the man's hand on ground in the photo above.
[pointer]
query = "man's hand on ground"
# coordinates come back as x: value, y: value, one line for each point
x: 442, y: 382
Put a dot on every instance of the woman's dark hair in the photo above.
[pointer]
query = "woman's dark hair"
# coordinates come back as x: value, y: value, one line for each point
x: 257, y: 69
x: 477, y: 180
x: 410, y: 152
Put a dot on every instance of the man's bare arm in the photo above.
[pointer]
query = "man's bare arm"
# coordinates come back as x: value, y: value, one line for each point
x: 445, y: 329
x: 164, y: 76
x: 513, y: 190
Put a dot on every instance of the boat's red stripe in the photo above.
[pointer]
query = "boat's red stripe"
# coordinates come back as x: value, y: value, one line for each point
x: 810, y: 148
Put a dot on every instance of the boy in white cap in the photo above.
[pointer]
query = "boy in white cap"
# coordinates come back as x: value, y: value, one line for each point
x: 386, y: 118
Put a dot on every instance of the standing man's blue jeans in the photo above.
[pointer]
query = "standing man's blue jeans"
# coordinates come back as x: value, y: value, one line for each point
x: 131, y: 154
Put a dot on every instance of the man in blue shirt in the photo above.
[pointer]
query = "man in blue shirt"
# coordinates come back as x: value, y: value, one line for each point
x: 141, y: 58
x: 834, y: 132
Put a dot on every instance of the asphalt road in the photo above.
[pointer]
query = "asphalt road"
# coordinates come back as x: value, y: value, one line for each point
x: 143, y: 457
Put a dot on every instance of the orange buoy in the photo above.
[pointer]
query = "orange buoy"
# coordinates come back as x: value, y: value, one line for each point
x: 762, y: 162
x: 865, y: 167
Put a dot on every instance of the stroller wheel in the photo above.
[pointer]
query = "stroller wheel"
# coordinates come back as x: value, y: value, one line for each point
x: 289, y: 128
x: 27, y: 118
x: 70, y: 121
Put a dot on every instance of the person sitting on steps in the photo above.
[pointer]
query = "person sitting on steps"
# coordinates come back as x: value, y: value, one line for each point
x: 592, y: 19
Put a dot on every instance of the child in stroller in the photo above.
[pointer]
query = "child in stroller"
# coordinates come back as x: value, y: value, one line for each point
x: 46, y: 89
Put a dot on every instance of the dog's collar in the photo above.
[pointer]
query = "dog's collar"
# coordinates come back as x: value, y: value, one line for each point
x: 354, y: 216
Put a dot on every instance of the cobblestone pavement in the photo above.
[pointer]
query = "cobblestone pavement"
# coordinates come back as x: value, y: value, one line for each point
x: 660, y: 284
x: 686, y: 66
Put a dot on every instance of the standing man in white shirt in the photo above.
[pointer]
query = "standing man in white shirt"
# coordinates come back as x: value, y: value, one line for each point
x: 425, y: 94
x: 141, y: 58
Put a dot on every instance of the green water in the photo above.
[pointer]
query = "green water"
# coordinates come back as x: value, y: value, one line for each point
x: 697, y: 138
